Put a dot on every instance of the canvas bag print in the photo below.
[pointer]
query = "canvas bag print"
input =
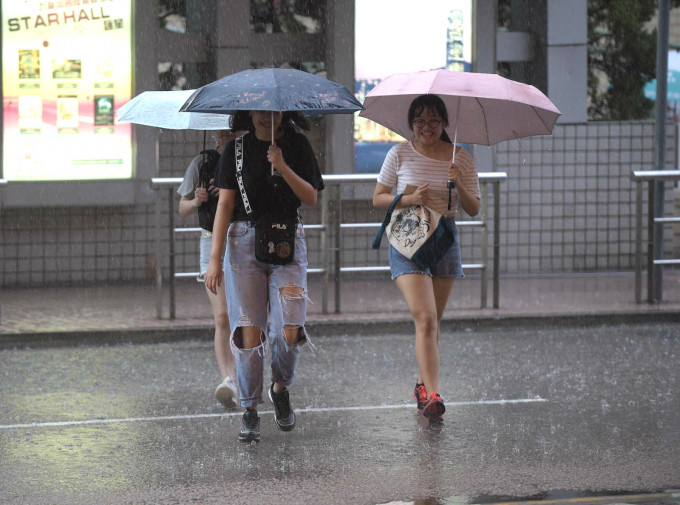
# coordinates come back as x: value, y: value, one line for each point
x: 417, y: 232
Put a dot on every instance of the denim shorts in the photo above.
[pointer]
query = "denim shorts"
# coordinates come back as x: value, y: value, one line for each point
x: 449, y: 266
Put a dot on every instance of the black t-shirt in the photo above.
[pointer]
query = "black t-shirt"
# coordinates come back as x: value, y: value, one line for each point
x: 267, y: 193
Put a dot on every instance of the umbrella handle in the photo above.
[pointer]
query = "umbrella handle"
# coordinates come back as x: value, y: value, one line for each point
x: 272, y: 139
x: 450, y: 185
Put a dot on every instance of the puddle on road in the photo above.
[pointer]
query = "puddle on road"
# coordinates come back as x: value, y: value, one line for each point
x: 557, y: 497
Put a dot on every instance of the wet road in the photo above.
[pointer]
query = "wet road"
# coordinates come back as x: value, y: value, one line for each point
x: 528, y: 412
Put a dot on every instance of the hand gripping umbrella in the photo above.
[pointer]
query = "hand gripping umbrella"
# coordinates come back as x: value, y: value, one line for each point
x: 487, y: 107
x: 275, y: 90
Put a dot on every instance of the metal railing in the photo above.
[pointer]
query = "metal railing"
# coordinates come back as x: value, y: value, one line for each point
x: 650, y: 176
x: 331, y: 197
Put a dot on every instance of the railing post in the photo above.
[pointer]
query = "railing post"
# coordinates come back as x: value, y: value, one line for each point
x: 638, y: 240
x: 325, y: 255
x: 650, y: 243
x: 171, y: 230
x: 496, y: 241
x: 485, y: 242
x: 159, y: 258
x: 337, y: 188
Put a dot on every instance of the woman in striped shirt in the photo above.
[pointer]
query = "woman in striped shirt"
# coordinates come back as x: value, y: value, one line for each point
x: 425, y: 164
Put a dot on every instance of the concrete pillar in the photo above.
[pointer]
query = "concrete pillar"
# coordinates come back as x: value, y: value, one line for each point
x: 484, y: 60
x: 567, y: 58
x: 231, y: 37
x: 339, y: 42
x: 484, y: 36
x: 145, y: 139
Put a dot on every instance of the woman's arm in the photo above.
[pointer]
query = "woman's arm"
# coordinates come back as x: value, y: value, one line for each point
x: 225, y: 208
x: 382, y: 197
x: 468, y: 201
x: 302, y: 189
x: 188, y: 206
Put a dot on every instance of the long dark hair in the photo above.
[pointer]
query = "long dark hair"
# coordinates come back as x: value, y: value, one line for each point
x: 290, y: 122
x: 432, y: 102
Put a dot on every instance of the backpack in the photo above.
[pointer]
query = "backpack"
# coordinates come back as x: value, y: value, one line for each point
x: 206, y: 172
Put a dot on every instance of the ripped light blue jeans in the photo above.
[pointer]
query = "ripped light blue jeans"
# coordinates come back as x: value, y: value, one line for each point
x: 254, y: 292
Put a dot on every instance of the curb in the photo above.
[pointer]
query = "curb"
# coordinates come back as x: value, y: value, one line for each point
x: 400, y: 324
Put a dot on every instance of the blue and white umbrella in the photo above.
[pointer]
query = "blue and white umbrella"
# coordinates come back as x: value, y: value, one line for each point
x: 161, y: 109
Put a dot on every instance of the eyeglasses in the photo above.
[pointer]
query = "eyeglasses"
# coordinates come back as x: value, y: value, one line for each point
x: 432, y: 123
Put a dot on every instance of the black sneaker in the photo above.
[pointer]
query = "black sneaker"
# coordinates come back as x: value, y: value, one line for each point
x: 420, y: 395
x: 283, y: 414
x: 250, y: 429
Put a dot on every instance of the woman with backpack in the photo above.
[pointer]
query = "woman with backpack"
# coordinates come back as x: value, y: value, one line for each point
x: 199, y: 195
x: 264, y: 176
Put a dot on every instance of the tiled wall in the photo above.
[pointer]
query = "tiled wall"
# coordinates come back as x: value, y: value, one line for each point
x: 76, y: 245
x: 567, y: 206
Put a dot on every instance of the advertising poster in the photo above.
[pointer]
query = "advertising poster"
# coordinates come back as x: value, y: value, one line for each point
x: 399, y: 36
x: 65, y: 65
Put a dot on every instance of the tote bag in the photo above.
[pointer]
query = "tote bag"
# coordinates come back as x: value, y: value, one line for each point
x: 417, y: 232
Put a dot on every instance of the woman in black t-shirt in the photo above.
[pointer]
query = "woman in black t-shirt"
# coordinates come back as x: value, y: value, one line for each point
x: 267, y: 303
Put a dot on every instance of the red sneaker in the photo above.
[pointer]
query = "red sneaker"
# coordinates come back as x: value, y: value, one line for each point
x: 420, y: 395
x: 434, y: 406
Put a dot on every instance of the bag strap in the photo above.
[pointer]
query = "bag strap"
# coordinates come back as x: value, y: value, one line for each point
x: 386, y: 221
x: 238, y: 152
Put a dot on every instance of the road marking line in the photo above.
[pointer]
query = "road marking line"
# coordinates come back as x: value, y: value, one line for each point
x: 610, y: 498
x: 265, y: 412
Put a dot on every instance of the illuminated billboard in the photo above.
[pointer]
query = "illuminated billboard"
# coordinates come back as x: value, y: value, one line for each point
x: 66, y: 66
x: 398, y: 36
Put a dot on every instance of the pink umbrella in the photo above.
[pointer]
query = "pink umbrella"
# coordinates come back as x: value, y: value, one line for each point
x: 483, y: 108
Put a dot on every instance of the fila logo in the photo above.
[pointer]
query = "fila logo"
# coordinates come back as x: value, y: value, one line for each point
x: 279, y: 226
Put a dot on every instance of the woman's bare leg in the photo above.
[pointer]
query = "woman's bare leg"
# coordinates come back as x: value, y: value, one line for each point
x: 223, y: 354
x: 418, y: 291
x: 442, y: 290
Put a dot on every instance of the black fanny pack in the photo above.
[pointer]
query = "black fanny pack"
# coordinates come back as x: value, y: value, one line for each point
x: 274, y: 235
x: 275, y: 239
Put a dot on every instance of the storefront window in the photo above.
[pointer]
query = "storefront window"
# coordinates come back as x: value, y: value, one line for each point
x: 287, y: 16
x: 172, y: 15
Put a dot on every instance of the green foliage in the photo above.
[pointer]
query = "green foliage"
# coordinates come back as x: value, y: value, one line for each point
x: 622, y: 54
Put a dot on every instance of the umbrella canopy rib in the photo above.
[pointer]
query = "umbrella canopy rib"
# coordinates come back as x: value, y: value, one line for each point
x: 547, y: 127
x: 486, y: 131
